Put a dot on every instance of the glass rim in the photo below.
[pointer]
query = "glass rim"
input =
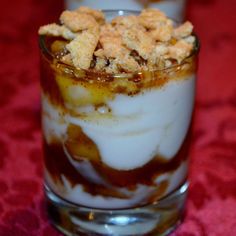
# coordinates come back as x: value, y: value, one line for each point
x: 45, y: 51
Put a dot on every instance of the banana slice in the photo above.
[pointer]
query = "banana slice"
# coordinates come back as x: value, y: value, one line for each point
x: 79, y: 146
x: 82, y: 93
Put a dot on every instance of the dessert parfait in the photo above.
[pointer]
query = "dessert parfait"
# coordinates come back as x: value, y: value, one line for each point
x: 117, y: 99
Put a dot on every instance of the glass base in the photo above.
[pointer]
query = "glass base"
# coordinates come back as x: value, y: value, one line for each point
x: 159, y: 218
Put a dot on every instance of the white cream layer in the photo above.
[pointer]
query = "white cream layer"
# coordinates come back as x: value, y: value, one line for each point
x: 151, y: 123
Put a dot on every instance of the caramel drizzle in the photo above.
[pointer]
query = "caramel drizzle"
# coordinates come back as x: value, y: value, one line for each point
x: 58, y: 164
x: 129, y: 84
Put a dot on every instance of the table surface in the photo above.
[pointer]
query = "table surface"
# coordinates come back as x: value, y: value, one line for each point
x: 211, y: 205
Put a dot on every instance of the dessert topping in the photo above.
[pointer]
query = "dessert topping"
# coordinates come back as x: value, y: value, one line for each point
x: 131, y: 43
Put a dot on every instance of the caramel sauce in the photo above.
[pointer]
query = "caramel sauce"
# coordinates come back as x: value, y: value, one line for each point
x: 145, y: 174
x: 49, y: 85
x: 79, y: 146
x: 162, y: 186
x: 58, y: 164
x: 57, y: 79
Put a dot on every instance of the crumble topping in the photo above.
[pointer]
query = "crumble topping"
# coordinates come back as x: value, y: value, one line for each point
x: 183, y: 30
x: 76, y: 21
x: 98, y: 15
x: 82, y: 48
x: 57, y: 30
x: 131, y: 43
x: 138, y: 40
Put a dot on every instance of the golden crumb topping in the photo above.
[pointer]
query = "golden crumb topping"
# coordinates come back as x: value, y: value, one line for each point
x: 133, y: 43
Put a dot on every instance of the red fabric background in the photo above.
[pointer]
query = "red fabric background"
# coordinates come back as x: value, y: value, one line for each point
x: 211, y: 206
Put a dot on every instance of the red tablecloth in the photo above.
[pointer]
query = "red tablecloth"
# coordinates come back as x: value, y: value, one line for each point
x: 211, y: 206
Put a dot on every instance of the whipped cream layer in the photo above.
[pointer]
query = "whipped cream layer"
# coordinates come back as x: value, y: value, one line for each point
x: 154, y: 122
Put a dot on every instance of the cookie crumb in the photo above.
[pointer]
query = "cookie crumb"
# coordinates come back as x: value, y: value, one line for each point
x: 138, y: 40
x: 180, y: 50
x: 76, y: 21
x: 96, y: 14
x: 183, y: 30
x: 100, y: 63
x: 126, y: 44
x: 57, y: 31
x: 152, y: 18
x: 82, y: 49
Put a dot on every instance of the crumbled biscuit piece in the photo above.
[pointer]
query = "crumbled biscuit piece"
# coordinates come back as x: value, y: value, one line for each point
x: 76, y: 21
x: 151, y: 18
x: 122, y: 23
x: 122, y: 60
x: 127, y: 21
x: 99, y: 53
x: 163, y: 32
x: 82, y: 48
x: 190, y: 39
x: 160, y: 50
x: 56, y: 30
x: 98, y: 15
x: 168, y: 63
x: 183, y: 30
x: 159, y: 26
x: 127, y: 63
x: 100, y: 63
x: 180, y: 50
x: 157, y: 57
x: 139, y: 41
x: 109, y: 30
x: 159, y: 53
x: 111, y: 47
x: 111, y: 43
x: 112, y: 67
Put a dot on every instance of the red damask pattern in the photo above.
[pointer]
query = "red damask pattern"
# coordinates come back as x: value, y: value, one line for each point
x: 212, y: 198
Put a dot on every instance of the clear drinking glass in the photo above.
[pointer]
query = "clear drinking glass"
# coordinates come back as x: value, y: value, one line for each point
x: 173, y: 8
x: 116, y: 146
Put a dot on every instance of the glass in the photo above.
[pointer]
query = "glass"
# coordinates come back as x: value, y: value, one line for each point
x: 116, y: 146
x: 175, y: 9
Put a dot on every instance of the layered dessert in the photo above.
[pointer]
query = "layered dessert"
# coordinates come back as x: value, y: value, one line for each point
x: 117, y: 99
